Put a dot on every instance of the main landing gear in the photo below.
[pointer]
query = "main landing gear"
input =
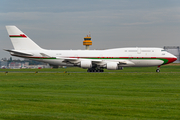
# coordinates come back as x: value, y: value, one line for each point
x: 158, y: 69
x: 95, y: 70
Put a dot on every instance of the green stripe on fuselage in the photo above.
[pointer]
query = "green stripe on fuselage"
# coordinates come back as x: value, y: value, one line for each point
x: 163, y: 59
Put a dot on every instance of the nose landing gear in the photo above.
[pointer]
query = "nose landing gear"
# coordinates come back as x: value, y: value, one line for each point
x: 158, y: 69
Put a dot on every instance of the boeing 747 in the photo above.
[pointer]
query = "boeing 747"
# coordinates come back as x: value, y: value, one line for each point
x: 92, y: 60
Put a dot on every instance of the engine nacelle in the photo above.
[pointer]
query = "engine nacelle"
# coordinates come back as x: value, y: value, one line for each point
x: 113, y: 66
x: 86, y: 64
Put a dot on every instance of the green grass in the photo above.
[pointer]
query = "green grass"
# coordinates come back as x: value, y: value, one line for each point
x: 133, y: 93
x: 166, y: 68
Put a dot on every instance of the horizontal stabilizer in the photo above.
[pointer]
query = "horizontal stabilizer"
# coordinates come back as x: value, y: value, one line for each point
x: 19, y: 53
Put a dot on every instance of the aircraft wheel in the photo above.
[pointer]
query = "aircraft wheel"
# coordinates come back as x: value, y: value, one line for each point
x: 102, y: 71
x: 89, y: 70
x: 158, y: 70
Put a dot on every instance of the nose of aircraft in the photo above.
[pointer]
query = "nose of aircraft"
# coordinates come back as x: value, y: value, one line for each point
x: 171, y: 59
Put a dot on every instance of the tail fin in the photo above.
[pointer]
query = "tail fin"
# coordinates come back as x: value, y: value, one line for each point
x: 21, y: 41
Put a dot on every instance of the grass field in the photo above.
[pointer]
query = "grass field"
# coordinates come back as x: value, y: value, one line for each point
x: 133, y: 93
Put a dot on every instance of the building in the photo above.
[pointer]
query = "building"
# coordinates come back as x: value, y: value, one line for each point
x: 87, y: 41
x: 17, y: 65
x: 3, y: 64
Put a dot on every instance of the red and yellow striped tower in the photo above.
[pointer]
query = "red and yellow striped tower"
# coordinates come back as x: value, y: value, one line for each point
x: 87, y: 41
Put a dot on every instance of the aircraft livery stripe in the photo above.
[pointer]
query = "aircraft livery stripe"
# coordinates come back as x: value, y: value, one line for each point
x: 18, y: 36
x: 166, y: 60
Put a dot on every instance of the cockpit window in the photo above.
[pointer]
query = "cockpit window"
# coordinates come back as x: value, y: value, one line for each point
x: 163, y: 50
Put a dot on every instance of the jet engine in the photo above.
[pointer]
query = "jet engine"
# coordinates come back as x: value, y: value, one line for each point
x: 86, y: 64
x: 113, y: 66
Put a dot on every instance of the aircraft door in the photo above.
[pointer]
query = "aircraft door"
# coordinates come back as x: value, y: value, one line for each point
x: 139, y: 50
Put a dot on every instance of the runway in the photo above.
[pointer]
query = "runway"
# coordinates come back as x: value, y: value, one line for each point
x: 6, y: 72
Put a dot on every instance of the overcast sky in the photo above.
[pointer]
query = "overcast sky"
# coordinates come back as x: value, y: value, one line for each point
x: 62, y: 24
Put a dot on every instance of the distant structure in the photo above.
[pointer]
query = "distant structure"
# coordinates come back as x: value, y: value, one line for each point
x: 3, y: 64
x: 175, y: 50
x: 87, y: 41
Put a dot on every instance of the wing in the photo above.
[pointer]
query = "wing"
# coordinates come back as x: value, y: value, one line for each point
x: 74, y: 61
x: 100, y: 62
x: 125, y: 63
x: 119, y: 62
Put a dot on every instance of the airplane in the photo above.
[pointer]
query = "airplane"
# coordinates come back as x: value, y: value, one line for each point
x: 92, y: 60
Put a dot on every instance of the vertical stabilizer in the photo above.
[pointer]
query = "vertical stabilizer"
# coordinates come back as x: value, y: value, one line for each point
x: 21, y: 41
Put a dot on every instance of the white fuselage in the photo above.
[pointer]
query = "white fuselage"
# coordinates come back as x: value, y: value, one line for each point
x: 135, y: 56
